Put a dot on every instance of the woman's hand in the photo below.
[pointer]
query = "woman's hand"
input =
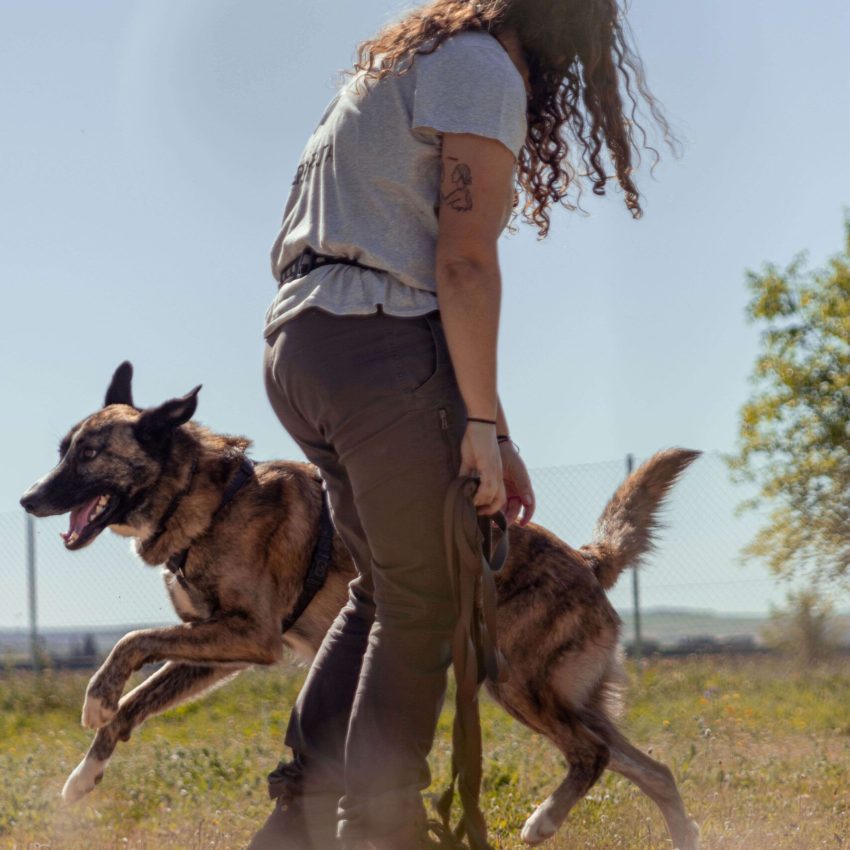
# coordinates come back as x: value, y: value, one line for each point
x: 518, y: 490
x: 480, y: 456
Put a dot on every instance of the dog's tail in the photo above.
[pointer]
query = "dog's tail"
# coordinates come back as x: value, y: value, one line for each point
x: 626, y: 529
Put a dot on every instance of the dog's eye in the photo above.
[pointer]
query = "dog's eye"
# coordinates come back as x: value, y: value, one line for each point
x: 88, y: 454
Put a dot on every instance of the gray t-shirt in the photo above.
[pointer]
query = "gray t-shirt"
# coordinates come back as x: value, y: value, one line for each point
x: 367, y: 186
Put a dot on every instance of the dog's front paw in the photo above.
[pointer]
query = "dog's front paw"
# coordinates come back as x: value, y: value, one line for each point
x: 97, y: 712
x: 83, y: 779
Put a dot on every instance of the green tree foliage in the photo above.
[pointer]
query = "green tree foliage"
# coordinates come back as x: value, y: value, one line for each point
x: 794, y: 440
x: 806, y: 628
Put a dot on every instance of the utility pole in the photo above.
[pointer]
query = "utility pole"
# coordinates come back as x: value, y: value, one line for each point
x: 36, y: 659
x: 638, y: 643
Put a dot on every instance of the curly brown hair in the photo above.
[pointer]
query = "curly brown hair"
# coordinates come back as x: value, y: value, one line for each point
x: 581, y: 65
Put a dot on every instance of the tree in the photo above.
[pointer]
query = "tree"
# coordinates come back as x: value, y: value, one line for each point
x: 794, y: 439
x: 807, y: 628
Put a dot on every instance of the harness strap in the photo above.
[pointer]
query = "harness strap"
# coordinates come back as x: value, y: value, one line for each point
x: 173, y: 505
x: 242, y: 477
x: 475, y: 655
x: 177, y: 562
x: 317, y: 572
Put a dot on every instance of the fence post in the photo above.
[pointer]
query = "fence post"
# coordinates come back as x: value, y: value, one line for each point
x: 638, y: 643
x: 36, y: 659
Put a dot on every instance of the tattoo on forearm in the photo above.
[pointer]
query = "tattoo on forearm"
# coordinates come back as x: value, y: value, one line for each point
x: 459, y: 198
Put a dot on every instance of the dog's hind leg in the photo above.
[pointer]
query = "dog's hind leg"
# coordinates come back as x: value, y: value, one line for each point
x: 653, y: 778
x: 173, y: 683
x: 656, y: 780
x: 587, y: 755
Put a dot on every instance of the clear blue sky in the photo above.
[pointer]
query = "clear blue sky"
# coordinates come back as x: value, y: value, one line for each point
x: 146, y: 149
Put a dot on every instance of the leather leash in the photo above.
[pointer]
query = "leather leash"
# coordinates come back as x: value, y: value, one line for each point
x: 475, y: 654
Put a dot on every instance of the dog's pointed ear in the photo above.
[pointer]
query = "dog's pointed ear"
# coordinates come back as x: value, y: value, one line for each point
x: 120, y: 387
x: 158, y: 423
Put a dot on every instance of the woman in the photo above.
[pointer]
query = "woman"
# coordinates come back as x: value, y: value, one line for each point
x: 381, y: 356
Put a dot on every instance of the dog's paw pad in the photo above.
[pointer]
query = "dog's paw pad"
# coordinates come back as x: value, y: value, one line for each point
x: 96, y: 714
x: 82, y: 780
x: 538, y: 827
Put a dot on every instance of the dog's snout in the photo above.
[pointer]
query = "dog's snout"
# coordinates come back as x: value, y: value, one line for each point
x: 29, y: 502
x: 33, y: 501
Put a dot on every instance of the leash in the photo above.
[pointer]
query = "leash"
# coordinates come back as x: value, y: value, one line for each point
x: 475, y: 654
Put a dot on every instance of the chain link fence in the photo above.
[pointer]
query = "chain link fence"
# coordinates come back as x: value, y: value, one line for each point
x: 693, y: 587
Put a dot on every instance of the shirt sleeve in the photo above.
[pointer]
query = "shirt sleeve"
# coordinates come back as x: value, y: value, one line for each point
x: 470, y: 85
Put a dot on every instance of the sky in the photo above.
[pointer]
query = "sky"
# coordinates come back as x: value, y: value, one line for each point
x: 146, y: 149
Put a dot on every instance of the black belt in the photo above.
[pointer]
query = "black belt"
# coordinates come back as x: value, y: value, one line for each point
x: 308, y: 260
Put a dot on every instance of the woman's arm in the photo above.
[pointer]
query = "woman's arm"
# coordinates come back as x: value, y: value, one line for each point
x: 519, y: 493
x: 475, y: 188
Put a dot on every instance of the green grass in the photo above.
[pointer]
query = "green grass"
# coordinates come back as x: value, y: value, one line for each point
x: 761, y: 754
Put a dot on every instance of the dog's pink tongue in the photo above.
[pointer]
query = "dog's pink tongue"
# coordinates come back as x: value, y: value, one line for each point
x: 80, y: 516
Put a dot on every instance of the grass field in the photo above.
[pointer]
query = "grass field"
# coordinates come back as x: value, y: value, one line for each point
x: 761, y: 754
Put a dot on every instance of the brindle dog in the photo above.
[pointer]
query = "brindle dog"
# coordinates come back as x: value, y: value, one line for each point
x: 153, y: 475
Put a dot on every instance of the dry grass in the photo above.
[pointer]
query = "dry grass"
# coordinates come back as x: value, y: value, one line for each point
x: 761, y: 753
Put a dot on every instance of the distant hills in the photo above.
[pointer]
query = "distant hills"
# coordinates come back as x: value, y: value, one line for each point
x: 671, y: 625
x: 63, y: 643
x: 662, y: 627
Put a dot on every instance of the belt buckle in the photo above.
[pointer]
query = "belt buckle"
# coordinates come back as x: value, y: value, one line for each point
x: 305, y: 262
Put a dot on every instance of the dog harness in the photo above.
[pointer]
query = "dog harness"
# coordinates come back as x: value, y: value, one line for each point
x: 177, y: 561
x: 317, y: 572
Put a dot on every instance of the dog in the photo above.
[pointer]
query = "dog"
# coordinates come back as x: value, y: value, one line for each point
x: 240, y: 541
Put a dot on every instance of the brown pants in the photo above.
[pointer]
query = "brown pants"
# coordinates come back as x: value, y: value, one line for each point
x: 373, y: 402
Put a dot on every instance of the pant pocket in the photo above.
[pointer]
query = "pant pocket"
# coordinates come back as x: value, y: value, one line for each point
x: 420, y: 353
x: 451, y: 437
